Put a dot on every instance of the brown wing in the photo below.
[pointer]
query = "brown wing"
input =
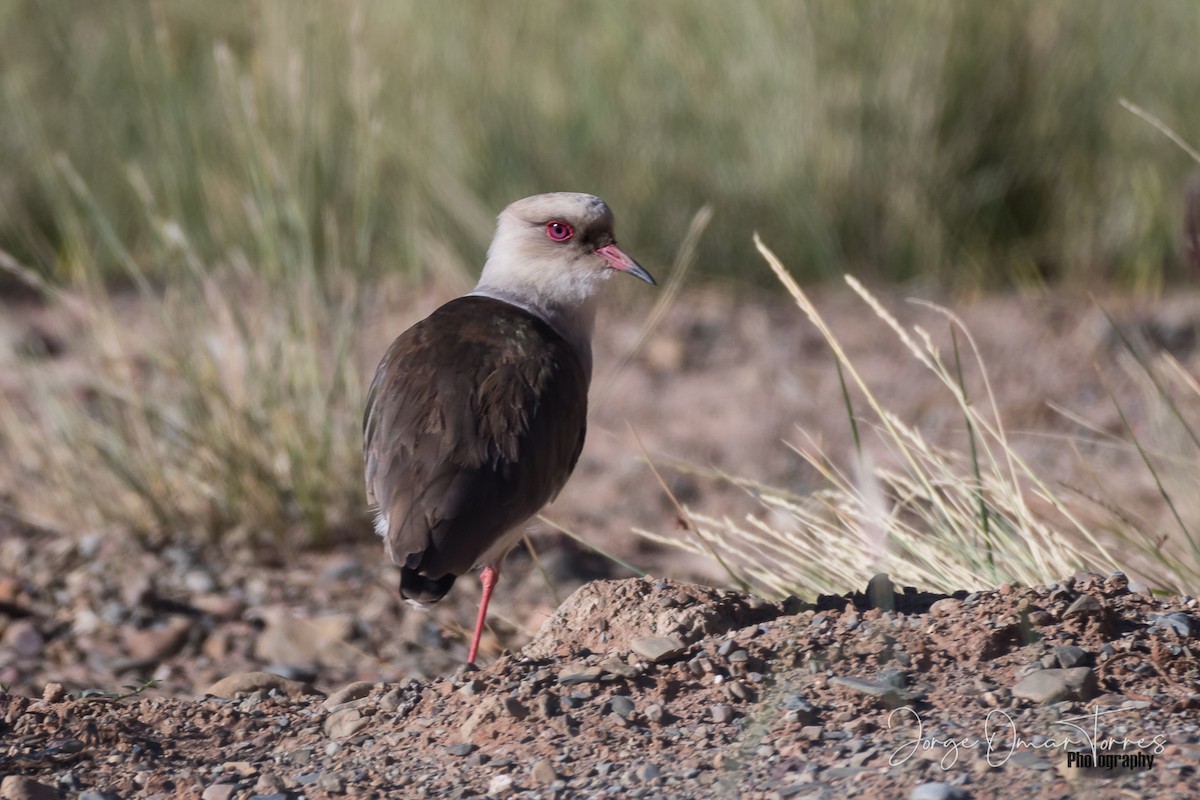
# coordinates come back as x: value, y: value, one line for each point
x: 474, y: 421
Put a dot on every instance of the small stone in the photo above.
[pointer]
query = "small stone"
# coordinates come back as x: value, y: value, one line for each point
x: 622, y: 706
x: 1177, y: 621
x: 344, y: 722
x: 463, y: 749
x: 721, y: 713
x: 299, y: 757
x: 54, y: 693
x: 304, y: 641
x: 219, y: 791
x: 655, y: 713
x: 546, y: 705
x: 24, y: 639
x: 573, y: 674
x: 738, y: 690
x: 515, y: 708
x: 542, y: 772
x: 1052, y: 685
x: 500, y: 785
x: 472, y: 688
x: 739, y: 657
x: 647, y: 772
x: 249, y: 682
x: 726, y: 648
x: 14, y: 787
x: 331, y: 783
x: 220, y: 606
x: 657, y: 649
x: 615, y: 666
x: 937, y: 791
x: 884, y: 691
x: 1084, y: 606
x: 811, y: 733
x: 355, y: 691
x: 1068, y: 655
x: 243, y: 769
x: 944, y: 607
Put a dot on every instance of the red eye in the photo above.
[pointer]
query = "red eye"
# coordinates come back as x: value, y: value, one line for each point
x: 559, y: 231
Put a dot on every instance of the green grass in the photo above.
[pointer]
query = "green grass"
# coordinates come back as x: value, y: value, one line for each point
x: 976, y: 144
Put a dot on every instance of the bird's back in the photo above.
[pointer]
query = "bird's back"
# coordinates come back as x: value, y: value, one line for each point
x: 474, y: 421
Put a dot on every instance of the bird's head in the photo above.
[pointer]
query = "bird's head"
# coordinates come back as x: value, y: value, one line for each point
x: 555, y: 249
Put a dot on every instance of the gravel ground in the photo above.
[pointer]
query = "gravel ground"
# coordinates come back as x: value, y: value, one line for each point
x: 653, y: 688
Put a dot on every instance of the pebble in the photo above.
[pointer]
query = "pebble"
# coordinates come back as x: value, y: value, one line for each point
x: 24, y: 639
x: 937, y: 791
x: 290, y: 639
x: 738, y: 690
x: 721, y: 712
x: 344, y: 722
x: 248, y: 682
x: 878, y: 689
x: 331, y: 783
x: 573, y: 674
x: 615, y: 666
x: 243, y: 769
x: 655, y: 713
x: 622, y: 706
x: 463, y: 749
x: 14, y: 787
x: 1052, y: 685
x: 500, y: 785
x: 542, y: 772
x: 347, y: 694
x: 515, y: 708
x: 944, y: 607
x: 726, y: 648
x: 1085, y: 606
x: 657, y: 649
x: 1177, y: 621
x: 1068, y: 655
x: 648, y: 772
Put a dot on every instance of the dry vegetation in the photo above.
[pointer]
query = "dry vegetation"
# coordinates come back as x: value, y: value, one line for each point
x: 212, y: 202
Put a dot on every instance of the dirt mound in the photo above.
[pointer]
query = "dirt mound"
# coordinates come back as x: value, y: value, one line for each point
x: 604, y: 616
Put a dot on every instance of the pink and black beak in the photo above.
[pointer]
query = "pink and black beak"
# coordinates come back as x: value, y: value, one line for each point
x: 623, y: 263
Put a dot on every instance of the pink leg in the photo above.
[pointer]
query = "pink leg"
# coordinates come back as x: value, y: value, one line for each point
x: 488, y: 577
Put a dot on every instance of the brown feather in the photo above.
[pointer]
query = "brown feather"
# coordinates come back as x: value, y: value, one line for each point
x: 474, y: 421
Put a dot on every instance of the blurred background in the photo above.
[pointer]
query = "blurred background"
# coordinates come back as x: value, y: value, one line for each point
x: 214, y: 216
x: 975, y: 144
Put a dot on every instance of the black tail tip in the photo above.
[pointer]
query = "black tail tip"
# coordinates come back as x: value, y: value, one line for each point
x: 422, y: 590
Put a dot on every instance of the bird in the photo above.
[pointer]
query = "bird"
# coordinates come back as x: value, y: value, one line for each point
x: 476, y: 415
